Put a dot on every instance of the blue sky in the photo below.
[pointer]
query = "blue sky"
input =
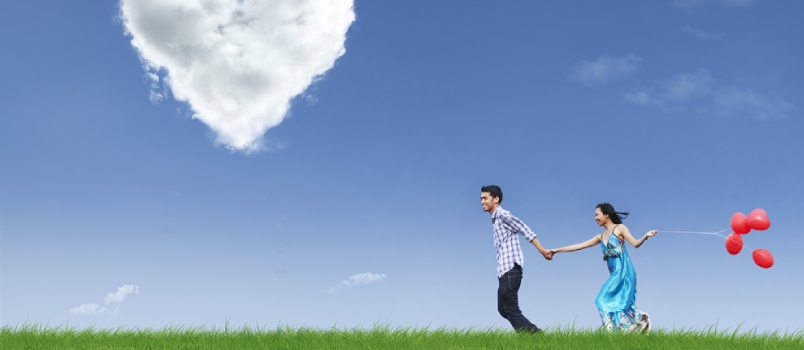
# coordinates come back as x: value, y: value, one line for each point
x: 681, y: 112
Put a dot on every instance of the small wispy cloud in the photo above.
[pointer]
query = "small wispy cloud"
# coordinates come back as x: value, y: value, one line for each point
x: 700, y: 33
x: 701, y: 89
x: 642, y: 97
x: 111, y: 302
x: 359, y: 279
x: 154, y: 97
x: 121, y: 293
x: 688, y: 86
x: 732, y: 100
x: 600, y: 72
x: 684, y: 87
x: 89, y: 309
x: 695, y: 5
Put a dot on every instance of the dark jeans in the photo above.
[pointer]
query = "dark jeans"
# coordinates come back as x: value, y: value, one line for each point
x: 508, y: 301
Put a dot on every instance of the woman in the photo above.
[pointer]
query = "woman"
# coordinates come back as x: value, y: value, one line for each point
x: 617, y: 298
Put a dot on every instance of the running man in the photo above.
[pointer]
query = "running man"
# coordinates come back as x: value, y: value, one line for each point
x: 509, y: 257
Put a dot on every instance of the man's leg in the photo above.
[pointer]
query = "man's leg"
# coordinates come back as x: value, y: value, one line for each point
x: 508, y: 300
x: 502, y: 289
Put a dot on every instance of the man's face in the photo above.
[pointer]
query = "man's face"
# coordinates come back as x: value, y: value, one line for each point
x: 488, y: 202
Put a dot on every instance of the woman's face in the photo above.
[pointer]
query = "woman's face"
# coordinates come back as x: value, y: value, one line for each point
x: 600, y: 218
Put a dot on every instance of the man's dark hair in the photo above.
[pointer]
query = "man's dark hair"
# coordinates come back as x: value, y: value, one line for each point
x: 493, y: 190
x: 615, y: 216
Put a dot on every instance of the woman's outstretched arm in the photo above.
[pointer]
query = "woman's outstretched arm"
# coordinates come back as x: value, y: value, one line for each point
x: 571, y: 248
x: 636, y: 242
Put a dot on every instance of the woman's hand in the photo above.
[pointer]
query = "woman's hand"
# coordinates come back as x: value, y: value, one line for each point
x: 644, y: 238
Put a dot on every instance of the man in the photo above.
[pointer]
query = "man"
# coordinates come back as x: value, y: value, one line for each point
x: 509, y: 257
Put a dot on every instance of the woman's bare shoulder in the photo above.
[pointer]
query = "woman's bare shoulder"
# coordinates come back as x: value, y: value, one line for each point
x: 620, y: 229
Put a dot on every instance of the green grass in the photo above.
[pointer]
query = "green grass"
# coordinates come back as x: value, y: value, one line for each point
x: 383, y: 337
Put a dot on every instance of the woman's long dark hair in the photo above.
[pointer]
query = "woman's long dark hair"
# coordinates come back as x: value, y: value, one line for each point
x: 615, y: 216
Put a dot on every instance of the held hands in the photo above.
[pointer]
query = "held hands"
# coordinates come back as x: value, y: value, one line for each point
x: 548, y: 254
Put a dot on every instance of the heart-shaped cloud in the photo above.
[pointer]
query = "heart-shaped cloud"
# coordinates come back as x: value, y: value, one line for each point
x: 237, y: 63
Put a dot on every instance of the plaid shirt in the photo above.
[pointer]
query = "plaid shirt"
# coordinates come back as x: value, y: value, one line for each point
x: 506, y: 226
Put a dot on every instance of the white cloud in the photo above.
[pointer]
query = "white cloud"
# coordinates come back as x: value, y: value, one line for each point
x: 360, y: 279
x: 237, y: 63
x: 111, y: 301
x: 700, y: 33
x: 88, y: 309
x: 694, y: 5
x: 684, y: 87
x: 121, y: 294
x: 604, y: 69
x: 155, y: 97
x: 643, y: 97
x: 688, y: 86
x: 699, y: 87
x: 732, y: 100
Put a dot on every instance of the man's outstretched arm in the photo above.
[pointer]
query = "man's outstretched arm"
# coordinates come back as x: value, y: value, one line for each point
x: 519, y: 227
x: 546, y: 253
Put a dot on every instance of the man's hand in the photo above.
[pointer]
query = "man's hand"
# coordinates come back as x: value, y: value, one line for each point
x: 545, y: 253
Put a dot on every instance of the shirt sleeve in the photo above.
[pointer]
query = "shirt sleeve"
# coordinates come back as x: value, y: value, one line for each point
x: 517, y: 226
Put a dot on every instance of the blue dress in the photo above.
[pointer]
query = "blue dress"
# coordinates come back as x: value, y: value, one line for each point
x: 616, y: 301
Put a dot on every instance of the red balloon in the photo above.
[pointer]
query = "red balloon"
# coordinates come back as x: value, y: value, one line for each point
x: 758, y: 220
x: 734, y: 244
x: 763, y: 258
x: 739, y: 224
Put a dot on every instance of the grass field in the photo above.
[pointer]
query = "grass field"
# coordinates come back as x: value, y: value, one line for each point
x: 383, y: 337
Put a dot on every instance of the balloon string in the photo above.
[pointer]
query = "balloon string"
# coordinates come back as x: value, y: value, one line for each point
x: 708, y: 233
x: 701, y: 233
x: 721, y: 231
